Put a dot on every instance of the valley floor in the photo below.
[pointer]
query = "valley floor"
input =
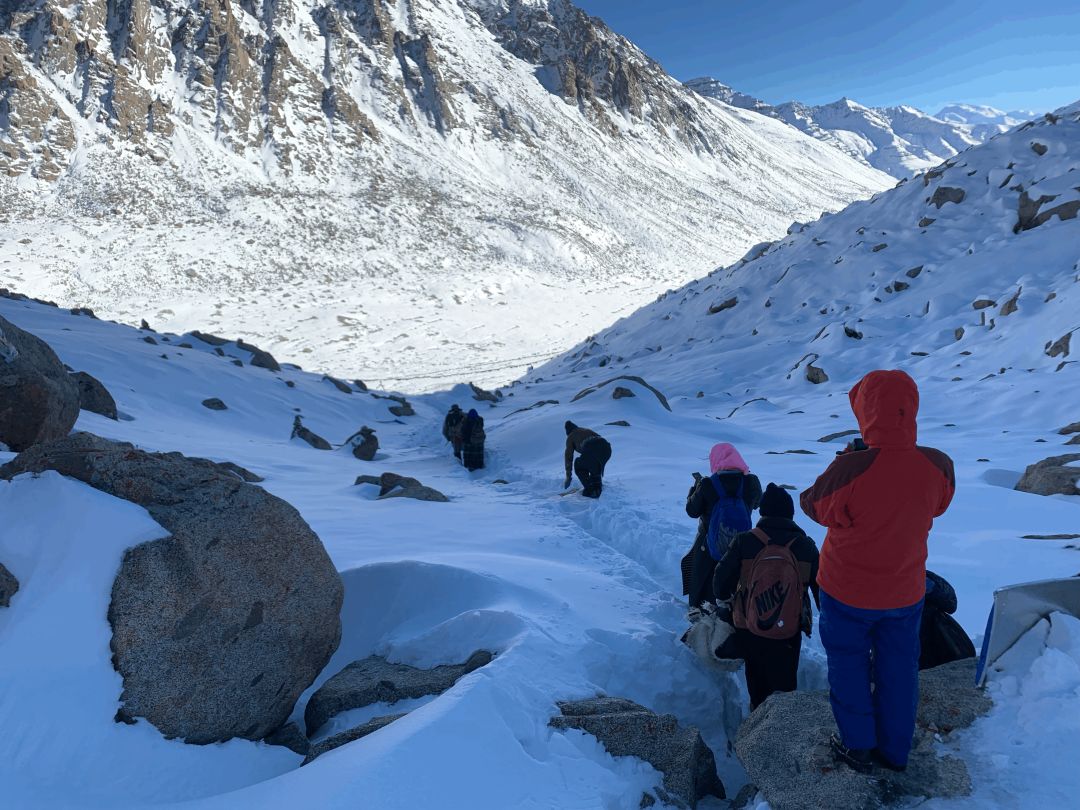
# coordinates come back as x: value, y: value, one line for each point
x: 576, y: 596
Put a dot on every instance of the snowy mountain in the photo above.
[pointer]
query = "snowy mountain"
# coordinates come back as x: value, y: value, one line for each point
x: 901, y: 141
x: 397, y: 189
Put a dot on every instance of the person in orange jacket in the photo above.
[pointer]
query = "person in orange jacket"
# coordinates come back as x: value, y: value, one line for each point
x: 878, y: 505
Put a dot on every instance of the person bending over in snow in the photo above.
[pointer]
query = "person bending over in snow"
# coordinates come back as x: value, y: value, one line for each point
x: 722, y: 503
x: 595, y: 454
x: 878, y: 505
x: 770, y: 570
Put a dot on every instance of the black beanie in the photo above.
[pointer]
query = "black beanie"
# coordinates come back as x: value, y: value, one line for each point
x: 570, y: 427
x: 777, y: 503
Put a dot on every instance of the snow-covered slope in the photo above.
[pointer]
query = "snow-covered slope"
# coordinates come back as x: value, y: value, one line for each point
x: 966, y: 274
x: 396, y: 189
x: 900, y: 141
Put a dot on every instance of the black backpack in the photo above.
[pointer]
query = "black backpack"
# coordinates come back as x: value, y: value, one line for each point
x: 943, y: 639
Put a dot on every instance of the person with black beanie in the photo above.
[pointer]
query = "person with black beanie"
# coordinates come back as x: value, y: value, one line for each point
x: 772, y: 664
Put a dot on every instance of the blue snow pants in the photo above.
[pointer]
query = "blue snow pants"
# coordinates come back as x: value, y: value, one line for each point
x: 873, y: 674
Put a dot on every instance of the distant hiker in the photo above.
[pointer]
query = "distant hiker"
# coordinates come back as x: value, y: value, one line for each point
x: 595, y: 454
x: 451, y: 428
x: 878, y: 505
x: 941, y: 638
x: 722, y: 503
x: 770, y: 570
x: 471, y: 434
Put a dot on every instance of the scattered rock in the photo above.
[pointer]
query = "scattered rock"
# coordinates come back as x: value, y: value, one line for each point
x: 215, y: 404
x: 1052, y: 476
x: 700, y: 395
x: 345, y: 737
x: 259, y: 358
x: 39, y: 400
x: 900, y: 286
x: 237, y: 363
x: 785, y: 750
x: 816, y: 375
x: 983, y: 303
x: 480, y: 395
x: 1068, y: 430
x: 592, y: 389
x: 619, y: 423
x: 218, y: 627
x: 728, y: 304
x: 144, y: 326
x: 392, y: 485
x: 622, y: 393
x: 878, y: 248
x: 314, y: 439
x: 9, y: 586
x: 94, y: 397
x: 540, y: 404
x: 1038, y: 148
x: 89, y: 313
x: 150, y: 340
x: 212, y: 340
x: 403, y: 409
x: 360, y: 384
x: 1073, y: 440
x: 914, y: 272
x: 627, y: 729
x: 1012, y: 305
x: 1051, y: 537
x: 855, y: 334
x: 926, y: 222
x: 376, y: 680
x: 958, y: 333
x: 364, y: 444
x: 841, y: 435
x: 343, y: 387
x: 290, y: 736
x: 1060, y: 346
x: 947, y: 194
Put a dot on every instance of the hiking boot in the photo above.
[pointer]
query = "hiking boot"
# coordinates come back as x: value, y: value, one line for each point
x: 858, y: 759
x: 880, y: 759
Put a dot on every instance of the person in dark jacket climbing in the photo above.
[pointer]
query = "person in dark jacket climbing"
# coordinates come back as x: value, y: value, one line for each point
x: 729, y: 472
x: 878, y: 505
x: 772, y: 664
x: 472, y: 441
x: 595, y: 453
x: 451, y: 428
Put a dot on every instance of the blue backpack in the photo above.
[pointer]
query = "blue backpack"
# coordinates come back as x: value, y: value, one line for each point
x: 729, y: 517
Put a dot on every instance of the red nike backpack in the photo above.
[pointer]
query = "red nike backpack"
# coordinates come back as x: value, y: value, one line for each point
x: 769, y: 600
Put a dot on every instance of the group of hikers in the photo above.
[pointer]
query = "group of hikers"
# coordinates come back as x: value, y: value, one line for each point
x: 883, y: 616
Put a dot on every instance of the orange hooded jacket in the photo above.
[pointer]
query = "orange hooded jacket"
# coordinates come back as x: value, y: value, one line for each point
x: 879, y: 504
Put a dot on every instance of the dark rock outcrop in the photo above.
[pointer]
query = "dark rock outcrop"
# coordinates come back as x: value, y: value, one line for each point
x: 259, y: 357
x: 218, y: 627
x: 8, y: 586
x: 290, y: 736
x: 784, y: 746
x: 39, y: 400
x: 480, y: 395
x: 94, y: 397
x: 630, y: 378
x: 340, y: 385
x: 364, y: 444
x: 345, y: 737
x: 215, y: 404
x: 816, y: 375
x: 622, y: 393
x: 1052, y: 476
x: 312, y: 438
x: 947, y: 194
x: 729, y: 303
x: 627, y: 729
x: 376, y: 680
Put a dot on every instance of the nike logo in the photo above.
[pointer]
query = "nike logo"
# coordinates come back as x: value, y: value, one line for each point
x: 767, y: 621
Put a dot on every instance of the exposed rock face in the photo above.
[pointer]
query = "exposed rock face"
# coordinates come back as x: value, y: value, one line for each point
x: 1052, y: 476
x: 39, y: 401
x: 628, y: 730
x: 785, y: 750
x: 593, y: 388
x: 480, y: 395
x: 312, y: 438
x: 215, y: 404
x: 93, y: 396
x: 8, y: 586
x: 1060, y: 347
x: 259, y: 358
x: 947, y: 194
x: 290, y: 736
x: 622, y: 393
x: 340, y: 385
x: 364, y: 444
x: 376, y: 680
x: 218, y: 627
x: 723, y: 305
x: 816, y: 375
x: 345, y: 737
x: 1068, y: 430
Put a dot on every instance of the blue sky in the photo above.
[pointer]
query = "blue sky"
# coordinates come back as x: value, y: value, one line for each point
x: 1011, y: 54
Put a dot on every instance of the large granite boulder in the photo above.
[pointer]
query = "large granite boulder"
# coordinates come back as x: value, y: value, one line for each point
x: 627, y: 729
x: 1053, y: 476
x: 39, y: 401
x: 784, y: 746
x: 376, y: 680
x: 93, y: 396
x: 220, y: 626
